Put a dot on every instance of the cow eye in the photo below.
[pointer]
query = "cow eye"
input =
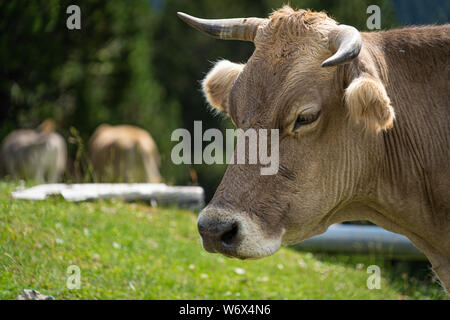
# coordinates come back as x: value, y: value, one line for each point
x: 305, y: 119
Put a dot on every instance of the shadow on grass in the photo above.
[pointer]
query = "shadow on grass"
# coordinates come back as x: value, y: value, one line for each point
x: 406, y: 276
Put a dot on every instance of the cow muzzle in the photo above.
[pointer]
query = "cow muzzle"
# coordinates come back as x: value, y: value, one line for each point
x: 234, y: 235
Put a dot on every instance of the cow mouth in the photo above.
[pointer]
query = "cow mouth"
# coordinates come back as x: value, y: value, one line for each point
x: 235, y: 235
x: 237, y: 253
x: 233, y: 244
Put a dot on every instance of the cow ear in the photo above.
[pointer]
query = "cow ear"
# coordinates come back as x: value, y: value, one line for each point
x: 218, y: 82
x: 368, y: 103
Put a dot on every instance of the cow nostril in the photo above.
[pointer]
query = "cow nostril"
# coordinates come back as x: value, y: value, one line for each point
x: 228, y: 237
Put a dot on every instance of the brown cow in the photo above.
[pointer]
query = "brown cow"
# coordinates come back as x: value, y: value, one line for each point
x: 124, y: 154
x: 333, y: 93
x: 35, y: 154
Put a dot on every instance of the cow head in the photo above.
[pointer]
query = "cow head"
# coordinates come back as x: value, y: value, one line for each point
x: 309, y: 78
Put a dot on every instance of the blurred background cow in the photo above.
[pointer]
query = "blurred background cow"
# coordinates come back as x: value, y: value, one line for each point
x: 124, y: 154
x: 34, y: 154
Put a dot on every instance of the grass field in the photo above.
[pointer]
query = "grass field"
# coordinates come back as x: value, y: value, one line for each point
x: 134, y: 251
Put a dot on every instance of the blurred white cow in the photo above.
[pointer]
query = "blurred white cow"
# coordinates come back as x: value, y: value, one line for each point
x: 34, y: 154
x: 124, y: 154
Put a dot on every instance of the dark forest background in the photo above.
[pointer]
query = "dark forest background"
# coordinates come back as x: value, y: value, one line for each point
x: 135, y: 62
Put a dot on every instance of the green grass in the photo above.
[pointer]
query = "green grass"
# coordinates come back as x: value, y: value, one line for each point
x: 134, y: 251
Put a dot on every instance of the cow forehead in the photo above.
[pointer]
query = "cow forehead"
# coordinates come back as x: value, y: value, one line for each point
x: 265, y: 90
x: 289, y: 30
x: 253, y: 94
x: 289, y: 50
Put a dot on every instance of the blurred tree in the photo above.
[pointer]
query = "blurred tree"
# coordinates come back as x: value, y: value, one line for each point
x: 183, y: 56
x: 82, y: 78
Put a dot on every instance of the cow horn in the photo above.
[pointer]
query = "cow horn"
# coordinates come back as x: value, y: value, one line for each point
x: 347, y: 43
x: 227, y: 29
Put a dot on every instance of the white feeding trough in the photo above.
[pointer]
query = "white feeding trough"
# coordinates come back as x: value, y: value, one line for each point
x: 355, y: 239
x: 190, y: 197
